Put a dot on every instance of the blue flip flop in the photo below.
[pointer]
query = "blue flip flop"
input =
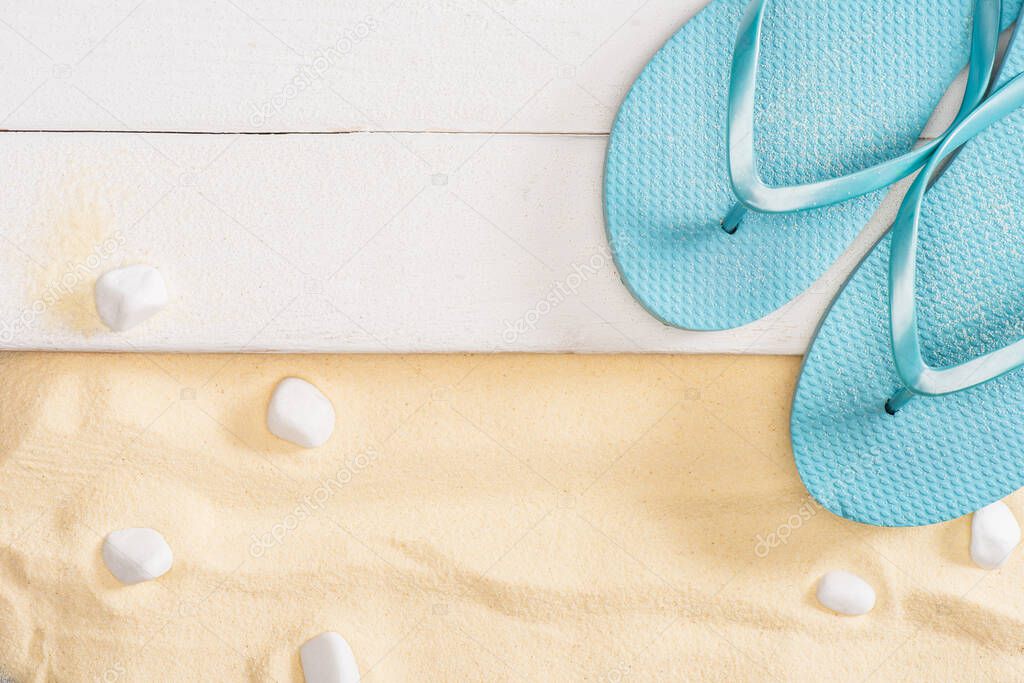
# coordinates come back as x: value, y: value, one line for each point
x: 789, y: 136
x: 909, y: 410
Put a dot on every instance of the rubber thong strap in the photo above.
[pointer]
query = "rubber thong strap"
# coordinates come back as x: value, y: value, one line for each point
x: 915, y: 373
x: 746, y: 181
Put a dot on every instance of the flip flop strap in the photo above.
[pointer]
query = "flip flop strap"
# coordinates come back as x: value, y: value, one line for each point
x: 915, y: 373
x: 746, y: 181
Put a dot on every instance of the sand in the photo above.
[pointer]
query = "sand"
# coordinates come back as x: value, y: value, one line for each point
x: 472, y: 518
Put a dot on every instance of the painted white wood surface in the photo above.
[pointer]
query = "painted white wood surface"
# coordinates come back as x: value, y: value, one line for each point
x: 357, y: 242
x: 325, y: 65
x: 466, y: 216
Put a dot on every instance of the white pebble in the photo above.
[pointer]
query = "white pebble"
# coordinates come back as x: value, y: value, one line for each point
x: 136, y: 555
x: 328, y: 659
x: 994, y: 534
x: 127, y: 296
x: 300, y: 413
x: 846, y: 593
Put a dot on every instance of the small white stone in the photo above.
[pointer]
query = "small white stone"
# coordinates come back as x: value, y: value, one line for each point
x: 136, y: 555
x: 846, y: 593
x: 300, y: 413
x: 328, y: 659
x: 994, y: 534
x: 127, y: 296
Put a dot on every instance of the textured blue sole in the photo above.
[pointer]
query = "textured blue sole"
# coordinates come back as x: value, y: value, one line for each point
x: 938, y: 458
x: 826, y: 105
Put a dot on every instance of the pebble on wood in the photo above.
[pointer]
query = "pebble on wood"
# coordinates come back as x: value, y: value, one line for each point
x: 994, y: 534
x: 128, y: 296
x: 136, y: 555
x: 300, y: 413
x: 327, y: 658
x: 846, y: 593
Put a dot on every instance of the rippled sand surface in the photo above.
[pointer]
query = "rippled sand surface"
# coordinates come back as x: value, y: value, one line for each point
x: 472, y: 518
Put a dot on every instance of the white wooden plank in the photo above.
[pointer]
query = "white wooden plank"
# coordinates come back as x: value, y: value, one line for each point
x: 364, y: 242
x: 323, y: 65
x: 343, y: 243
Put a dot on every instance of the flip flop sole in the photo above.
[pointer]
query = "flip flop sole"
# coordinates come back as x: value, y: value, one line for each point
x: 842, y: 86
x: 941, y: 457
